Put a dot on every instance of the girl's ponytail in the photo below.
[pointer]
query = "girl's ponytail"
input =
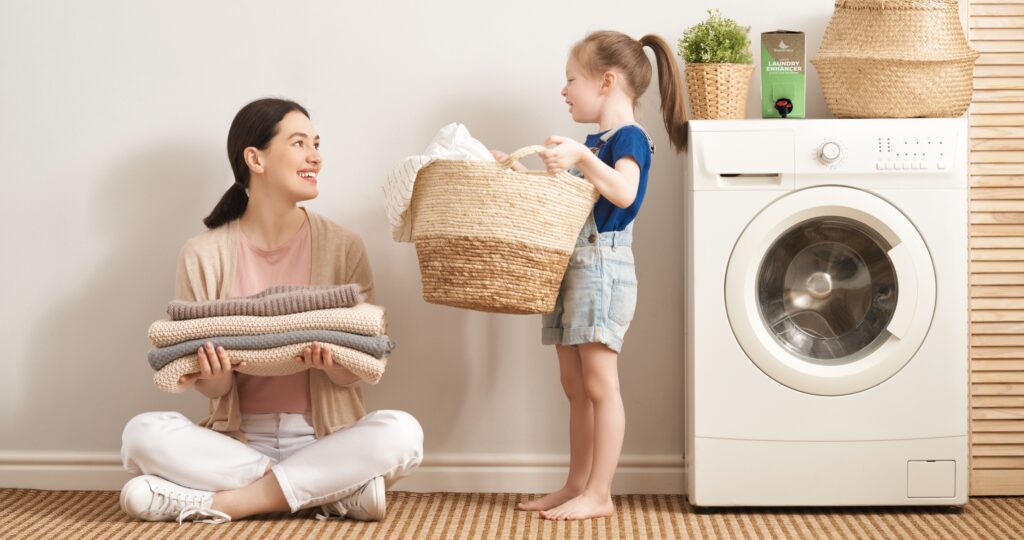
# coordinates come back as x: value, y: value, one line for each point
x: 673, y: 108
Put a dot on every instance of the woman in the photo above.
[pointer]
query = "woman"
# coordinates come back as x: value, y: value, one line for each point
x: 270, y: 444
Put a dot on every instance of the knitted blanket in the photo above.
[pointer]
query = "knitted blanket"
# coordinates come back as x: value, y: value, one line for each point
x: 363, y: 319
x: 267, y: 362
x: 377, y: 346
x: 280, y: 300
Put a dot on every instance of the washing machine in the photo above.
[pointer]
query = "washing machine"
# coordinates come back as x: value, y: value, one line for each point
x: 826, y: 328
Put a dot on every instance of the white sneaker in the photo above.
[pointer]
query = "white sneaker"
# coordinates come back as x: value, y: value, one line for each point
x: 368, y: 503
x: 152, y: 498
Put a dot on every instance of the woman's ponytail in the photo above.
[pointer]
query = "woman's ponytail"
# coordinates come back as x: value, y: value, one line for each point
x: 673, y: 108
x: 231, y: 206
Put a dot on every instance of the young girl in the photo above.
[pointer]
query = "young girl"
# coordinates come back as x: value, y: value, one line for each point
x: 270, y: 444
x: 605, y: 74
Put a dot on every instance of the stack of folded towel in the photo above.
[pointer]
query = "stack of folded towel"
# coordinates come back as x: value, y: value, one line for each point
x: 268, y: 330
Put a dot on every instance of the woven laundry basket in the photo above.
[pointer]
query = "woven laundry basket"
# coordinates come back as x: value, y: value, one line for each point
x: 718, y: 91
x: 895, y: 59
x: 493, y: 239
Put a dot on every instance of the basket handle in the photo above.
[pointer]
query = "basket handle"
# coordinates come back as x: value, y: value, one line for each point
x: 520, y: 154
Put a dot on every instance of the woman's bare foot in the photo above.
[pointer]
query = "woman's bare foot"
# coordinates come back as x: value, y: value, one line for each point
x: 584, y: 506
x: 550, y: 500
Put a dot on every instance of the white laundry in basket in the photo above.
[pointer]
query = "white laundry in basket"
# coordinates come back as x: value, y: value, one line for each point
x: 451, y: 142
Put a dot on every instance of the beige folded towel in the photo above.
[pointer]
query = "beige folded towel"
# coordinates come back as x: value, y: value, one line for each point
x: 267, y: 362
x: 364, y: 319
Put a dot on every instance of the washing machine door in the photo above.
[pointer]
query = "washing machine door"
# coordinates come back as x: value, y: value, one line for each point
x: 830, y: 290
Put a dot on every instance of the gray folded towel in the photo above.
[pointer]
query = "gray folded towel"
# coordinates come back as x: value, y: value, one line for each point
x: 376, y: 346
x: 280, y: 300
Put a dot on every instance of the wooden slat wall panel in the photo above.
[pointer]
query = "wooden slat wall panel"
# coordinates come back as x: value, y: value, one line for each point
x: 997, y: 481
x: 997, y: 248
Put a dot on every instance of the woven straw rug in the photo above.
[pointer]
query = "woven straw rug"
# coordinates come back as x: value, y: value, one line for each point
x: 95, y: 514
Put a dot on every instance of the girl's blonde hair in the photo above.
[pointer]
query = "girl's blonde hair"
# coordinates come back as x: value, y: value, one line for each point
x: 607, y: 50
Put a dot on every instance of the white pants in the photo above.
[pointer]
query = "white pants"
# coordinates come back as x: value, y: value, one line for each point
x: 311, y: 472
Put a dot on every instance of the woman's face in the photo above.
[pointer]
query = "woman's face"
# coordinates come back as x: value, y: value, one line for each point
x: 292, y: 161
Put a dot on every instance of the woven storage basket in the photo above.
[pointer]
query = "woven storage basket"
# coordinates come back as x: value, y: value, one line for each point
x: 492, y: 239
x: 895, y: 59
x: 718, y: 91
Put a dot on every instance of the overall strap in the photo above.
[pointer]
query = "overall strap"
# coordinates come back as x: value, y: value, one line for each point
x: 610, y: 132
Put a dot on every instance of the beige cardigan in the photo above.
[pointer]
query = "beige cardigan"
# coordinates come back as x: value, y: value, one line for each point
x: 206, y: 269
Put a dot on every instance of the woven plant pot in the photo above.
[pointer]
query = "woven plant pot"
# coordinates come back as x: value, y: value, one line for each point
x: 493, y: 239
x: 895, y: 59
x: 718, y: 91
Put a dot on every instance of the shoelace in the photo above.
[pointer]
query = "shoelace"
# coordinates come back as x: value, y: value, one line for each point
x: 215, y: 516
x: 191, y: 505
x: 164, y: 502
x: 326, y: 513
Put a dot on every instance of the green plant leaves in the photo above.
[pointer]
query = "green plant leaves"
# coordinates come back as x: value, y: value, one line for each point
x: 716, y: 41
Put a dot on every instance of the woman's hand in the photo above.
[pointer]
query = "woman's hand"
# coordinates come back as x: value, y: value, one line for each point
x: 566, y: 153
x: 214, y: 365
x: 317, y: 356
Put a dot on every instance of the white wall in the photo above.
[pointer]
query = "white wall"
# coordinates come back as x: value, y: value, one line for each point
x: 113, y: 120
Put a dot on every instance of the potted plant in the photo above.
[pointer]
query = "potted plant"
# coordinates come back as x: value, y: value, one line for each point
x: 719, y: 66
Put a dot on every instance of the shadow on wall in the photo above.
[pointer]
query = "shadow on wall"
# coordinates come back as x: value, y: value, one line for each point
x: 90, y: 362
x: 652, y: 358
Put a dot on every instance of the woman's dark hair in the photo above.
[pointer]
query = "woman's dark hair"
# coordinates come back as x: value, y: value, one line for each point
x: 254, y: 125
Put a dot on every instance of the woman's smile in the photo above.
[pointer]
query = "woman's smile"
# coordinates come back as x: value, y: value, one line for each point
x: 308, y: 175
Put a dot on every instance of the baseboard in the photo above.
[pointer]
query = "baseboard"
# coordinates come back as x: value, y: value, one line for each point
x: 512, y: 473
x: 62, y: 470
x: 531, y: 473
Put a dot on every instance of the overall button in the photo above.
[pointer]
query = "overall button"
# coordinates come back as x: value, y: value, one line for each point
x: 592, y: 238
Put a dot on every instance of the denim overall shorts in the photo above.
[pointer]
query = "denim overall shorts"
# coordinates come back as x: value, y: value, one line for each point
x: 598, y: 294
x: 597, y: 298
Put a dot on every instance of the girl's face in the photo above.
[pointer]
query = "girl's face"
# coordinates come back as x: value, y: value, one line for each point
x: 582, y: 92
x: 292, y: 161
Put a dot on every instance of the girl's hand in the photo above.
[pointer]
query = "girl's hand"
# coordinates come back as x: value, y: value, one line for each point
x: 317, y: 357
x: 566, y: 153
x: 214, y: 363
x: 500, y: 156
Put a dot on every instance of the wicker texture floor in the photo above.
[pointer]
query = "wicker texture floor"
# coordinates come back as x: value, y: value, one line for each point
x: 95, y: 514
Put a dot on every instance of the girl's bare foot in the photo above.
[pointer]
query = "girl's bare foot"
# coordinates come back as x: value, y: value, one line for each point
x: 550, y: 500
x: 584, y: 506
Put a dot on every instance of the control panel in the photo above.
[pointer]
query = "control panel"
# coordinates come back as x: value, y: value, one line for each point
x: 912, y: 152
x: 899, y: 153
x: 918, y: 147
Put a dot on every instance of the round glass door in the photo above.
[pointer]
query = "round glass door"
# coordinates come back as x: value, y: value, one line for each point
x: 827, y: 290
x: 830, y: 290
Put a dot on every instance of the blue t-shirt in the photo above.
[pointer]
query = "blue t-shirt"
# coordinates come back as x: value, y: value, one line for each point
x: 628, y: 141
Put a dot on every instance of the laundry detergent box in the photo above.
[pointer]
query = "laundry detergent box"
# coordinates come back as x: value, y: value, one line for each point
x: 783, y: 75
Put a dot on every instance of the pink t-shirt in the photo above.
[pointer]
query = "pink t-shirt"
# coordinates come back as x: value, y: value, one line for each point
x: 255, y: 270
